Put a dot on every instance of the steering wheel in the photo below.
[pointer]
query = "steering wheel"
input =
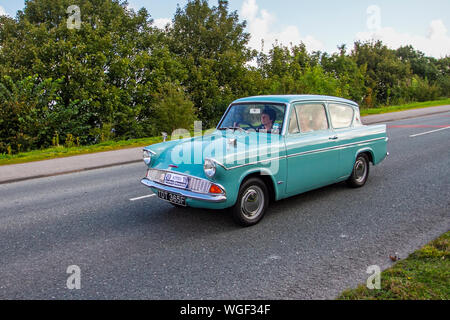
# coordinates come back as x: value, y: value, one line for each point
x: 250, y: 125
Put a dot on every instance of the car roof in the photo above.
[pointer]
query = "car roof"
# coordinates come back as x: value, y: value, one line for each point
x: 294, y: 98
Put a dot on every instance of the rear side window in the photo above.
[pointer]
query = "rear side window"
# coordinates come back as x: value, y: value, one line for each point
x: 312, y: 117
x: 341, y: 116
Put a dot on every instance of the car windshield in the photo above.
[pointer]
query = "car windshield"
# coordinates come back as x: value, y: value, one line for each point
x: 261, y: 117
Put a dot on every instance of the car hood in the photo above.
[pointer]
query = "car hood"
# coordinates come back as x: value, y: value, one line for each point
x: 228, y: 148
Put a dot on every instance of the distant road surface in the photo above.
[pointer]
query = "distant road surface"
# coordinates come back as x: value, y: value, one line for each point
x: 130, y: 245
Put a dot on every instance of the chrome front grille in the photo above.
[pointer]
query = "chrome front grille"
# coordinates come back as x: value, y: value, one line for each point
x: 194, y: 185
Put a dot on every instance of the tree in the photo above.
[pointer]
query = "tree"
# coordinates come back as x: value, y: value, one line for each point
x: 424, y: 67
x: 294, y: 71
x: 113, y: 63
x: 443, y: 77
x: 24, y: 107
x: 211, y: 43
x: 173, y: 110
x: 385, y: 71
x: 349, y: 74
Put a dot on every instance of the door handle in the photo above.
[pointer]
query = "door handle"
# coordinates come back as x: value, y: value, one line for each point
x: 334, y: 138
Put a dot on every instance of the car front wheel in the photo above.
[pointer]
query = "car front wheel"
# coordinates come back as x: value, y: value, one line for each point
x: 360, y: 172
x: 252, y: 202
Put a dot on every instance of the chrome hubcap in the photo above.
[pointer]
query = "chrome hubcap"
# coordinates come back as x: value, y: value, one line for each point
x: 360, y: 170
x: 252, y: 202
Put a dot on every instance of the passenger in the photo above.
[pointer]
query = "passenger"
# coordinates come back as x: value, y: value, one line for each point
x: 304, y: 124
x: 320, y: 121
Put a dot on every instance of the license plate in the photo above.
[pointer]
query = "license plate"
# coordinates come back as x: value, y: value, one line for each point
x: 176, y: 180
x: 172, y: 197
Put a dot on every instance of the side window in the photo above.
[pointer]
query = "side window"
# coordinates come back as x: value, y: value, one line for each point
x: 341, y: 116
x: 293, y: 123
x: 312, y: 117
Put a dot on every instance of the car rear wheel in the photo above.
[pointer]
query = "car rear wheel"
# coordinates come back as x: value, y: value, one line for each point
x: 360, y: 172
x: 252, y: 202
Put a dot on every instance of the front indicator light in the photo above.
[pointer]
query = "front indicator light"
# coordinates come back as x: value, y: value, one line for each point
x: 215, y: 189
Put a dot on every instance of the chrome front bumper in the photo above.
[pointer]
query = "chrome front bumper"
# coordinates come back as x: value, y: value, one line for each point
x: 185, y: 193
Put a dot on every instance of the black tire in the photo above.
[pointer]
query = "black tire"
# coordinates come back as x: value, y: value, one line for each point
x: 253, y: 194
x: 360, y: 172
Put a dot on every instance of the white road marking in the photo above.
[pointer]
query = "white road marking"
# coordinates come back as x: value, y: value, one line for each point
x: 143, y: 197
x: 424, y: 133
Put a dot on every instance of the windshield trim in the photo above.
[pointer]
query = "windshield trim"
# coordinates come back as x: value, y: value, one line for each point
x: 286, y: 105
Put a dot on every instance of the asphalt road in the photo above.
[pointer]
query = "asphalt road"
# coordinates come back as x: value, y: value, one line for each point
x: 308, y: 247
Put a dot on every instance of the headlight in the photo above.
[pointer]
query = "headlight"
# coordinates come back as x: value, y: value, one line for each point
x: 210, y: 168
x: 147, y: 157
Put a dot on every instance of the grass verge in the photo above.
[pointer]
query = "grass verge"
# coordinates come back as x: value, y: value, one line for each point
x: 415, y: 105
x: 424, y: 275
x: 60, y: 152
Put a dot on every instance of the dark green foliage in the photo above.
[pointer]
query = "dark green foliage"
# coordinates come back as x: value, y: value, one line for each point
x: 351, y: 76
x: 118, y: 77
x: 173, y: 110
x: 443, y: 77
x: 25, y: 106
x: 384, y: 71
x: 211, y: 43
x: 108, y: 69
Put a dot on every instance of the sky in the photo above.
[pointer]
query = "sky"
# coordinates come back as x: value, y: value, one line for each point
x: 323, y: 24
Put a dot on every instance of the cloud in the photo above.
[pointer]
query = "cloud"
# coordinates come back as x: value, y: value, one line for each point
x: 162, y: 22
x: 260, y: 24
x: 436, y: 43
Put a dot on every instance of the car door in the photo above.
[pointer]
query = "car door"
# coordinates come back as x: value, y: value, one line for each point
x: 311, y: 146
x: 342, y: 118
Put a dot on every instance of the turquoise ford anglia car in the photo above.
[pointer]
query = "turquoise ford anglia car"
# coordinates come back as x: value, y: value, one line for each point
x: 265, y: 149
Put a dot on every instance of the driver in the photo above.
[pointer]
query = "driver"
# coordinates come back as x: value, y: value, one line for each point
x: 268, y: 118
